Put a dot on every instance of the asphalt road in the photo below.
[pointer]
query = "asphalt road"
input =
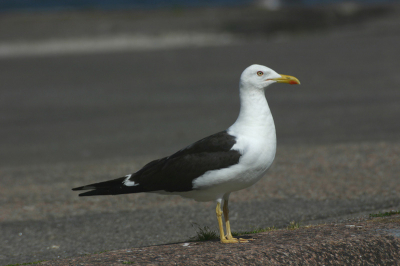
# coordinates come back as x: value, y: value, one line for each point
x: 68, y: 120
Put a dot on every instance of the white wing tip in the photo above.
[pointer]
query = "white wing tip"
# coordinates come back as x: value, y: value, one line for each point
x: 128, y: 182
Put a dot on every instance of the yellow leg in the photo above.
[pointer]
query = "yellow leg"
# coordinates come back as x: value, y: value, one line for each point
x: 219, y: 218
x: 221, y: 227
x: 228, y: 226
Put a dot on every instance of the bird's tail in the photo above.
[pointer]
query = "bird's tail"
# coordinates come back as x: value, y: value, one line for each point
x: 111, y: 187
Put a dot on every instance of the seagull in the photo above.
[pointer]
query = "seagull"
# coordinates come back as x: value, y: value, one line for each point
x: 213, y: 167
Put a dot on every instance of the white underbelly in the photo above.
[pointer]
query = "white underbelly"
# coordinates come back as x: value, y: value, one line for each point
x: 218, y: 188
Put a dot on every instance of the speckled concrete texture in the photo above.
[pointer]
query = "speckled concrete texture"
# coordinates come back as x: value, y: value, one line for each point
x: 367, y: 242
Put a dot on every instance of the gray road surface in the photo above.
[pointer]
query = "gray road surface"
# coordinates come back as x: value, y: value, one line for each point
x: 73, y: 119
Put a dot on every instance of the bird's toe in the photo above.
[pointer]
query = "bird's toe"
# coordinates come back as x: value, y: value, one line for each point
x: 234, y: 240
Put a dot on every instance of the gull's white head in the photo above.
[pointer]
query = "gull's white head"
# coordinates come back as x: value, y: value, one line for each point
x: 260, y: 77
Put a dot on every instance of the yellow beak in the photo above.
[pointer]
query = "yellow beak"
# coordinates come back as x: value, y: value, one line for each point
x: 287, y: 79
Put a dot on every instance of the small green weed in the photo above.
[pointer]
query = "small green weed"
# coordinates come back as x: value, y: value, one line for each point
x: 128, y: 262
x: 293, y: 225
x: 205, y: 234
x: 255, y: 231
x: 385, y: 214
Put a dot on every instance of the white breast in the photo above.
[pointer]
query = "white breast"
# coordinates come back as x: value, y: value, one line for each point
x: 257, y: 146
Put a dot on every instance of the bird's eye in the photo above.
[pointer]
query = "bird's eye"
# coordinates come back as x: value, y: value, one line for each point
x: 260, y: 73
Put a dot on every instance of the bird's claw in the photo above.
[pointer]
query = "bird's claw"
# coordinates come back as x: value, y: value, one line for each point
x: 233, y: 241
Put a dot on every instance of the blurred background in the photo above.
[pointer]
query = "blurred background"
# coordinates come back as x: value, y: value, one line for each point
x: 95, y: 79
x: 93, y: 90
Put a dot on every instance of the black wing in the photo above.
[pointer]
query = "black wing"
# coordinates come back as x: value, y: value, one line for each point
x: 175, y: 173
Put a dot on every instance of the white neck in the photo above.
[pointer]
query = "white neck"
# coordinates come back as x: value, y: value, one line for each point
x: 255, y: 118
